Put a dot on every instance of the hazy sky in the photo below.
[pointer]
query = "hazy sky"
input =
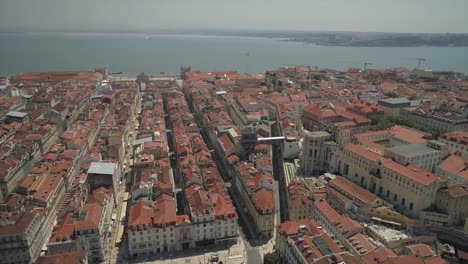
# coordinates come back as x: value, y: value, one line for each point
x: 345, y: 15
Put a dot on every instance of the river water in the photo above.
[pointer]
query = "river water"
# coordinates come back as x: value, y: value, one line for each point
x: 135, y: 53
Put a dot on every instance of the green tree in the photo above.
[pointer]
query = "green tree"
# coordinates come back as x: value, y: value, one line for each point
x: 272, y: 258
x: 405, y: 121
x: 142, y: 78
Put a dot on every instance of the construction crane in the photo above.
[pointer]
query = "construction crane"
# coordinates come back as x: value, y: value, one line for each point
x: 365, y: 65
x: 419, y: 61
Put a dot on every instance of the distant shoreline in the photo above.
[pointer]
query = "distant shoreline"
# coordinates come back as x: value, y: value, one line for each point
x: 340, y: 39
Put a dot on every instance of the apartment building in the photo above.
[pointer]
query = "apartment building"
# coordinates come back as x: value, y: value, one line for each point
x: 452, y: 201
x: 345, y: 196
x: 86, y: 228
x: 392, y: 106
x: 335, y: 224
x: 151, y: 228
x: 300, y: 201
x: 78, y: 257
x: 16, y: 165
x: 313, y: 153
x: 105, y: 174
x: 207, y: 214
x: 367, y: 249
x: 456, y: 140
x: 424, y: 155
x: 304, y: 242
x: 378, y: 141
x: 21, y: 237
x: 256, y: 191
x: 409, y: 188
x: 436, y: 120
x: 454, y: 169
x: 91, y: 233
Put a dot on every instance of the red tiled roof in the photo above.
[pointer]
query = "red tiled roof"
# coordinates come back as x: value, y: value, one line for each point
x: 413, y: 172
x: 347, y: 224
x: 378, y: 255
x: 364, y: 152
x: 226, y: 142
x: 422, y: 250
x: 410, y: 135
x: 311, y: 252
x: 263, y: 199
x: 354, y: 190
x: 68, y: 257
x: 223, y: 207
x: 458, y: 190
x: 328, y: 211
x: 93, y: 217
x: 64, y: 230
x: 22, y: 222
x: 361, y: 243
x: 459, y: 135
x: 47, y: 188
x: 300, y: 195
x: 161, y: 212
x: 306, y: 226
x: 455, y: 164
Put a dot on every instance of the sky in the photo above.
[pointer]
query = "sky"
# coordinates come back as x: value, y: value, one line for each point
x: 424, y: 16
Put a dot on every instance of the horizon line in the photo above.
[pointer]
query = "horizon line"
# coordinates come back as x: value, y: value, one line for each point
x: 206, y: 30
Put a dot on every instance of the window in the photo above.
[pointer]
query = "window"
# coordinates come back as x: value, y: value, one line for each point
x: 395, y: 197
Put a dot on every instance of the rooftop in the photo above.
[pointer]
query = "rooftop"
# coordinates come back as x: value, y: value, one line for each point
x: 102, y: 168
x: 69, y: 257
x: 16, y: 114
x: 459, y: 135
x: 400, y: 100
x: 363, y: 152
x: 455, y: 164
x: 411, y: 150
x: 361, y: 243
x: 387, y: 234
x: 328, y: 211
x: 317, y: 133
x: 422, y: 250
x: 413, y: 172
x: 458, y: 190
x: 354, y: 190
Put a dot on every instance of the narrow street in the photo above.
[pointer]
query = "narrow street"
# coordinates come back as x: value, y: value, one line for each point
x: 118, y: 252
x: 252, y: 253
x: 278, y: 173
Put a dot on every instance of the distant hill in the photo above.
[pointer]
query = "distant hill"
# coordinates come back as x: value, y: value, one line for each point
x: 326, y: 38
x: 364, y: 39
